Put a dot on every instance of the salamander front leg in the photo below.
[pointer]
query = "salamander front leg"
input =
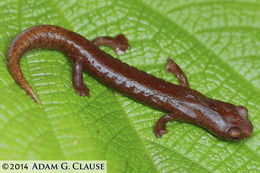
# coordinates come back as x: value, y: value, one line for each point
x: 175, y: 69
x: 119, y: 43
x: 160, y: 125
x: 77, y: 79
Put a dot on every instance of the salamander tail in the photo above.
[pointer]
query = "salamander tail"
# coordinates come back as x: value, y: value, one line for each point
x: 13, y: 63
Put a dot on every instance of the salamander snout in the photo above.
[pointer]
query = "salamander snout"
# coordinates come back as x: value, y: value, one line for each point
x: 236, y: 134
x: 242, y: 128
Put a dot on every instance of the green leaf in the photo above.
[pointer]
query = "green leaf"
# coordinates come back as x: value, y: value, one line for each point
x: 216, y: 43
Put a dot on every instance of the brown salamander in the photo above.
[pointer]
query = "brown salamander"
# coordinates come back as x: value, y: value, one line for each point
x: 179, y: 102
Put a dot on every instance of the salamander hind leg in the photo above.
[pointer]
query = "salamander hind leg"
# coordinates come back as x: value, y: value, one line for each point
x: 118, y: 43
x: 160, y: 125
x: 77, y: 79
x: 172, y: 67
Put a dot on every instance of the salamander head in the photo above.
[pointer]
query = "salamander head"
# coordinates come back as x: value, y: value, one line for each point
x: 237, y: 125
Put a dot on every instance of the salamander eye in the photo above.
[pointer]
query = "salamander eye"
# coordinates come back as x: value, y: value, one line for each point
x: 242, y: 111
x: 234, y: 133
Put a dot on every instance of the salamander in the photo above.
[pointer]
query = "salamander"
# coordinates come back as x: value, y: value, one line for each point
x: 179, y: 102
